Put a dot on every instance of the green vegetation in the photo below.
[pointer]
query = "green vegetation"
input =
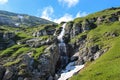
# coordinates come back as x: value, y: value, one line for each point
x: 76, y: 38
x: 38, y: 52
x: 21, y: 51
x: 12, y: 63
x: 106, y: 12
x: 9, y: 51
x: 107, y: 66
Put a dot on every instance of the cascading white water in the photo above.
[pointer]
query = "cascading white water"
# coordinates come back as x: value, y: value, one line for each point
x: 62, y: 47
x: 71, y: 68
x: 60, y: 37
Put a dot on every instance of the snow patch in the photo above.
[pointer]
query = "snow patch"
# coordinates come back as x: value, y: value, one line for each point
x: 70, y: 70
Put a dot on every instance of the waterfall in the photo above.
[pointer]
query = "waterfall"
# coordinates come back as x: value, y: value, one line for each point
x: 60, y: 37
x: 69, y: 69
x: 62, y: 47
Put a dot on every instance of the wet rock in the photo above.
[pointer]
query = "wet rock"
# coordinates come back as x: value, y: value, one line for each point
x: 50, y: 78
x: 80, y: 61
x: 2, y: 72
x: 73, y: 58
x: 8, y: 74
x: 27, y: 79
x: 20, y: 78
x: 1, y: 35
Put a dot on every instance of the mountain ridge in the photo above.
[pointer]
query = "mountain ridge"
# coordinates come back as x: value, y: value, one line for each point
x: 16, y: 19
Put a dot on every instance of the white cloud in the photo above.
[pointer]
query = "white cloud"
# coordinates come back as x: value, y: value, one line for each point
x: 66, y: 18
x: 3, y: 1
x: 47, y: 13
x: 69, y: 3
x: 69, y: 17
x: 81, y: 14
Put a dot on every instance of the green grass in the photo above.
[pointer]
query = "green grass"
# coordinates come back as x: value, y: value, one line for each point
x: 38, y: 52
x: 21, y: 51
x: 107, y: 67
x: 12, y: 63
x: 9, y: 51
x: 106, y: 12
x: 76, y: 38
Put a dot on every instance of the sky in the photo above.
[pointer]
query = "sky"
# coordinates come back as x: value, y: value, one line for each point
x: 57, y: 10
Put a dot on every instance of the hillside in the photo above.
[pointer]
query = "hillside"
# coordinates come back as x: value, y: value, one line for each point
x: 34, y: 50
x: 21, y: 20
x: 106, y: 35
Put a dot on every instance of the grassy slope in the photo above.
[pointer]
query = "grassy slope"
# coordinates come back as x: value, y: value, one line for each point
x: 106, y: 12
x: 107, y: 67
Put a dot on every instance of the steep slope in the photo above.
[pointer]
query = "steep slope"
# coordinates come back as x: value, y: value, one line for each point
x: 20, y: 20
x: 102, y: 38
x: 107, y: 66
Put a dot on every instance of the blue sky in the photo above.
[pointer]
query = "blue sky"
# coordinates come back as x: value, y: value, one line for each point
x: 57, y: 10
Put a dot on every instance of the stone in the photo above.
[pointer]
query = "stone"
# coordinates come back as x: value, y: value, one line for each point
x: 97, y: 55
x: 8, y: 74
x: 77, y: 28
x: 50, y: 78
x: 1, y: 34
x: 20, y: 78
x: 119, y: 18
x: 94, y: 49
x: 80, y: 61
x: 100, y: 20
x: 85, y: 25
x: 2, y: 72
x: 8, y: 35
x: 73, y: 58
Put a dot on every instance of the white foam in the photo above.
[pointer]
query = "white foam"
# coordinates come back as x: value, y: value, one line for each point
x: 70, y: 70
x: 60, y: 37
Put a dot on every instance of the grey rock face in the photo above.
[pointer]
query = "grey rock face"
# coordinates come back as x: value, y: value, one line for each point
x: 2, y: 72
x: 100, y: 20
x: 8, y: 74
x: 85, y: 25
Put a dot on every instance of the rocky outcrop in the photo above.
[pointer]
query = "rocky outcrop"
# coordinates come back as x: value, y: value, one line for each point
x: 43, y: 33
x: 30, y: 69
x: 48, y: 30
x: 6, y: 39
x: 36, y: 42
